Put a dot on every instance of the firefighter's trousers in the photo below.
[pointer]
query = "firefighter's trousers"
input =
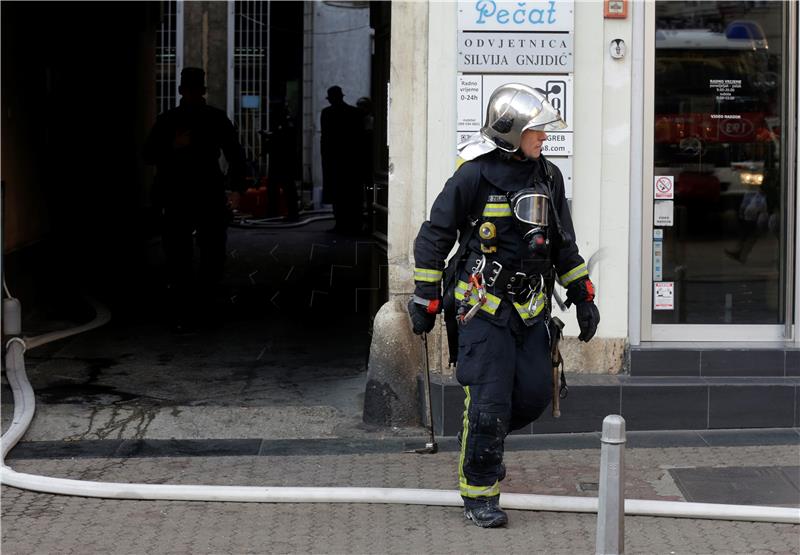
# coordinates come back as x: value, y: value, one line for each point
x: 507, y: 377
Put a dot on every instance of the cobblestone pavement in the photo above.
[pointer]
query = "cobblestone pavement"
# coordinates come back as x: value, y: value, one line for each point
x: 42, y: 523
x: 252, y: 375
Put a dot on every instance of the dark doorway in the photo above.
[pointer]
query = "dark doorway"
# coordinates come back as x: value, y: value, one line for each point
x: 289, y: 331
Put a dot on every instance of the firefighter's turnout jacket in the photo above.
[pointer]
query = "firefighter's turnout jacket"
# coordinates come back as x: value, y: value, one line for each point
x: 477, y: 193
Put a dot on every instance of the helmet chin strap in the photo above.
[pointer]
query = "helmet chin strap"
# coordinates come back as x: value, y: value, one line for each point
x: 522, y: 157
x: 518, y: 155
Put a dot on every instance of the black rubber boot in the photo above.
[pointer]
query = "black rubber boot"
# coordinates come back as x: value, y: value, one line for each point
x: 485, y: 511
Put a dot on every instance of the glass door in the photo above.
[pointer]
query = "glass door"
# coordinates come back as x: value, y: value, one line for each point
x: 720, y: 174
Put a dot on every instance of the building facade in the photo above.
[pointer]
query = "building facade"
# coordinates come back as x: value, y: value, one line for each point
x: 680, y: 157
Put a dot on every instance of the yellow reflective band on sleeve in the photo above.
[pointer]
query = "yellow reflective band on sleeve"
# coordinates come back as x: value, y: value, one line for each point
x: 496, y: 210
x: 574, y: 274
x: 430, y: 276
x: 538, y: 306
x: 492, y: 302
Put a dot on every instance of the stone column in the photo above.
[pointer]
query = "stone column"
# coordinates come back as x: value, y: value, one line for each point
x: 205, y: 45
x: 395, y: 354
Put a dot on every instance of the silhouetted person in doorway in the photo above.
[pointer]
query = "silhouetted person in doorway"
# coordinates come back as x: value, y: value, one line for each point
x: 185, y: 145
x: 340, y: 147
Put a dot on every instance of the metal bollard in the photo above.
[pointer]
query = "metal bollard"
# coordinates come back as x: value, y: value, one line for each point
x: 611, y: 496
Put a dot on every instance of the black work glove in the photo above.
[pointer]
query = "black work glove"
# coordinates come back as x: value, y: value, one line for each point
x: 581, y: 291
x: 422, y: 320
x: 588, y: 319
x: 581, y: 294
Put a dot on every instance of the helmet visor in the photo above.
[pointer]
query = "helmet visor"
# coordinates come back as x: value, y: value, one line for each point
x: 531, y: 208
x: 555, y: 125
x: 547, y: 119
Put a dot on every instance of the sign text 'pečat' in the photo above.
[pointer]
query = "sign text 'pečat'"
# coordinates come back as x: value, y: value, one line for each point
x: 515, y: 37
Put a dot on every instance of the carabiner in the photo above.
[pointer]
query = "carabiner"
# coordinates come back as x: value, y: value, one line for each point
x: 480, y: 264
x: 534, y: 303
x: 475, y: 308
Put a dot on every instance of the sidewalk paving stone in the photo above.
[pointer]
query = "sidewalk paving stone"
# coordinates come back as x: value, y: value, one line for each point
x: 43, y: 523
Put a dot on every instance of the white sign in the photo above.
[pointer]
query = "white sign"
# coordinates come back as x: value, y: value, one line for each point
x: 658, y: 234
x: 664, y: 186
x: 664, y: 295
x: 470, y: 103
x: 503, y: 52
x: 663, y: 213
x: 658, y: 257
x: 474, y: 92
x: 558, y: 144
x: 489, y: 15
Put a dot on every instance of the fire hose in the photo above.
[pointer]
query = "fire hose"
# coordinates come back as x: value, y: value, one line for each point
x: 24, y: 407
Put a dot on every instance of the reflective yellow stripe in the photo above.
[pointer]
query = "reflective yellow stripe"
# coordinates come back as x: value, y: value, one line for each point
x: 538, y: 305
x: 479, y: 491
x: 492, y: 302
x: 496, y: 210
x: 574, y: 274
x: 464, y: 435
x: 423, y: 274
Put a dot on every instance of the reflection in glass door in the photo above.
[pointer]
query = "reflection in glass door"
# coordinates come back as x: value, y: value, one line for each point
x: 719, y: 187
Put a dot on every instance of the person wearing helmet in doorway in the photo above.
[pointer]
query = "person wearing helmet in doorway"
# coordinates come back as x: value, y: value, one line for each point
x: 189, y: 190
x: 506, y: 206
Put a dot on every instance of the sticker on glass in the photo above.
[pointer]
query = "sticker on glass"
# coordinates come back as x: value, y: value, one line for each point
x: 664, y: 295
x: 663, y: 213
x: 658, y: 257
x: 664, y: 187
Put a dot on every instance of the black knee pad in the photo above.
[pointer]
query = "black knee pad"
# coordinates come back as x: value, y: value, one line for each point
x: 488, y: 430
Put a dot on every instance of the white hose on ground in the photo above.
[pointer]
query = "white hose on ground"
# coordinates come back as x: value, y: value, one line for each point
x: 24, y: 403
x: 301, y: 214
x: 24, y: 406
x: 102, y: 317
x: 257, y: 224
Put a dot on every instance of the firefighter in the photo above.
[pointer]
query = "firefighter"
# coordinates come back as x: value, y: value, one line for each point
x: 506, y: 206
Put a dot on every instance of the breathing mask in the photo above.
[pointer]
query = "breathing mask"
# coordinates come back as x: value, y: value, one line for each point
x: 531, y: 212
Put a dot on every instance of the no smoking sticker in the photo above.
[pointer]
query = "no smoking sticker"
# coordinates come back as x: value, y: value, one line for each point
x: 664, y: 186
